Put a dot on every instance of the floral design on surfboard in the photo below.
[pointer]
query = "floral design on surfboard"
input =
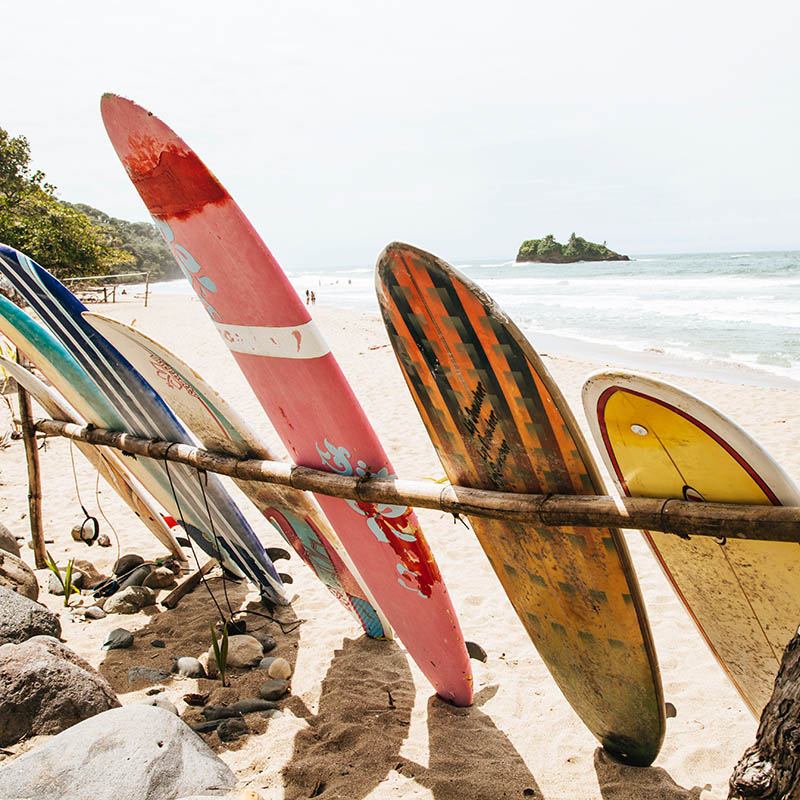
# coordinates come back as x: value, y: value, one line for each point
x: 389, y: 524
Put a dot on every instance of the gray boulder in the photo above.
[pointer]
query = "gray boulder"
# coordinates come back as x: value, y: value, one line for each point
x: 22, y: 618
x: 118, y: 639
x: 133, y: 753
x: 8, y: 541
x: 16, y: 575
x: 46, y: 688
x: 130, y: 600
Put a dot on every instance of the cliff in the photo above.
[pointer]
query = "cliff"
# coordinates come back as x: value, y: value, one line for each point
x: 550, y: 251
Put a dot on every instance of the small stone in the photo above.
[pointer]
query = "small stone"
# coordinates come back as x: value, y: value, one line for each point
x: 103, y: 540
x: 236, y: 627
x: 194, y: 699
x: 157, y: 643
x: 94, y: 612
x: 280, y: 668
x: 232, y: 728
x: 243, y: 651
x: 130, y: 600
x: 206, y: 726
x: 127, y: 563
x: 266, y: 662
x: 209, y: 664
x: 250, y: 705
x: 136, y: 577
x: 217, y: 712
x: 118, y: 639
x: 149, y: 674
x: 154, y: 690
x: 161, y: 702
x: 273, y: 713
x: 189, y: 667
x: 267, y: 642
x: 273, y: 689
x: 160, y: 578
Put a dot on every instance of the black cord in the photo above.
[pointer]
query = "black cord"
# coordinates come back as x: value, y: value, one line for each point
x: 189, y: 538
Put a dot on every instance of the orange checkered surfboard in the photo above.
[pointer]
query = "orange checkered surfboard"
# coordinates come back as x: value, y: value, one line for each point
x: 498, y: 421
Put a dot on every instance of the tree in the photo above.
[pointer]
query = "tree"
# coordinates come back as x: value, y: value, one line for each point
x: 33, y: 220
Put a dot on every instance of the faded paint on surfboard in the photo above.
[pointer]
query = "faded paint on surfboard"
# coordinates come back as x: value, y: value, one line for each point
x: 744, y: 596
x: 297, y: 380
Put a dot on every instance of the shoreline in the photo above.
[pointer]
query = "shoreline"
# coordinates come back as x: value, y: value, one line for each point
x: 520, y: 734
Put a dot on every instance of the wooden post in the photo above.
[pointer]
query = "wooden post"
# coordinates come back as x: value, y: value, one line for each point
x: 770, y: 768
x: 146, y: 287
x: 34, y: 475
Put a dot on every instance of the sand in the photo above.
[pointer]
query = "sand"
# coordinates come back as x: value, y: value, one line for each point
x: 362, y: 721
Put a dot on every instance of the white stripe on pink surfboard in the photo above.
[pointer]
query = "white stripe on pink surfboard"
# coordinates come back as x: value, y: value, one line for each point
x: 309, y: 401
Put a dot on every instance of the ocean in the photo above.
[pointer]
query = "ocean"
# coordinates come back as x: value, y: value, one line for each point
x: 704, y: 314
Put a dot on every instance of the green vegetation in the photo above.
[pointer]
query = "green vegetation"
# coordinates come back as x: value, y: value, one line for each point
x: 220, y: 651
x: 70, y: 240
x: 66, y: 581
x: 550, y: 251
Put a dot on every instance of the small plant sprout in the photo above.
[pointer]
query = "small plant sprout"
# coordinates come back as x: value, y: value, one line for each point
x: 66, y: 581
x: 220, y: 650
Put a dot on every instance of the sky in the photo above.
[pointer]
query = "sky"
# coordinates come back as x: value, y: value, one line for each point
x: 463, y: 128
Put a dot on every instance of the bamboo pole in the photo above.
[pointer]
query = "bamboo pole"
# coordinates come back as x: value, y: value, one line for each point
x: 680, y: 517
x: 34, y: 473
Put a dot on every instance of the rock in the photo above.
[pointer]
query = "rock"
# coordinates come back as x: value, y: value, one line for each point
x: 243, y: 651
x: 130, y: 600
x: 118, y: 639
x: 267, y: 642
x: 22, y: 618
x: 217, y: 712
x: 126, y: 564
x: 54, y: 584
x: 149, y: 674
x: 194, y: 699
x: 189, y: 667
x: 207, y: 725
x: 161, y: 702
x: 273, y: 713
x: 45, y: 688
x: 91, y: 575
x: 8, y: 542
x: 94, y: 612
x: 232, y: 728
x: 16, y: 575
x: 160, y: 578
x: 103, y: 540
x: 128, y: 753
x: 250, y: 705
x: 266, y: 662
x: 136, y: 577
x: 280, y: 668
x: 273, y: 689
x: 157, y: 643
x: 209, y: 664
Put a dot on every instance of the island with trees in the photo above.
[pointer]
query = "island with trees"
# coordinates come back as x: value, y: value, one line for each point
x: 549, y: 251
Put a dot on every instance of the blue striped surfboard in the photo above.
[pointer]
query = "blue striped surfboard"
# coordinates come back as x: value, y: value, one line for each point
x: 114, y: 395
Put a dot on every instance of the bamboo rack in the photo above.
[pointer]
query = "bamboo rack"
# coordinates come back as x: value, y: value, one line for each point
x: 679, y: 517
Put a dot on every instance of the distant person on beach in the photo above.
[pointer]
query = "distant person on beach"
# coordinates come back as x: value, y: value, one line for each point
x: 313, y: 298
x: 307, y: 296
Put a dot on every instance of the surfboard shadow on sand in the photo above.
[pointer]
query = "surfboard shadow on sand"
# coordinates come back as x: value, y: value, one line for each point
x: 353, y: 744
x: 620, y: 782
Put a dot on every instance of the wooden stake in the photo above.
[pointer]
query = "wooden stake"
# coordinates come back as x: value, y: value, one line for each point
x: 681, y: 517
x: 174, y: 597
x: 34, y: 474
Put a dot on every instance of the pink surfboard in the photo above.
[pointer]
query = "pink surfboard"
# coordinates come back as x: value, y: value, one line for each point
x: 297, y: 380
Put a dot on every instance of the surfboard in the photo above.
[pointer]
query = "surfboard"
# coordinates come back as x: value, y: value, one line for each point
x: 744, y: 596
x: 105, y: 461
x: 106, y: 390
x: 498, y: 421
x: 220, y: 428
x: 297, y: 380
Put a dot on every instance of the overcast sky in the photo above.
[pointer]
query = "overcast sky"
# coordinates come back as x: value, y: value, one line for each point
x: 461, y: 127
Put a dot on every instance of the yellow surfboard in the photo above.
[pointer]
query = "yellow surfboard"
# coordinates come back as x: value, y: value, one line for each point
x: 659, y: 441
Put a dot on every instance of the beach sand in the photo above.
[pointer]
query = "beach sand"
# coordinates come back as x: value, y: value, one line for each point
x: 362, y: 721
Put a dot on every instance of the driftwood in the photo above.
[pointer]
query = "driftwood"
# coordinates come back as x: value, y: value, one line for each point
x: 180, y: 591
x: 681, y: 517
x: 770, y: 768
x: 34, y: 478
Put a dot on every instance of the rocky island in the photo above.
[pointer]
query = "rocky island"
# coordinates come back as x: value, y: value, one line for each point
x: 549, y: 251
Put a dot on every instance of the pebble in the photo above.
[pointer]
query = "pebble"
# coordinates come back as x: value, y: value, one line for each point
x: 243, y: 651
x: 150, y: 674
x: 189, y: 667
x: 231, y: 728
x: 266, y: 662
x: 267, y: 642
x: 273, y: 689
x: 103, y: 540
x: 194, y: 699
x: 127, y: 563
x: 205, y: 726
x: 161, y: 702
x: 118, y: 639
x: 280, y: 668
x: 250, y: 705
x: 160, y: 578
x: 94, y: 612
x: 130, y: 600
x: 157, y: 643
